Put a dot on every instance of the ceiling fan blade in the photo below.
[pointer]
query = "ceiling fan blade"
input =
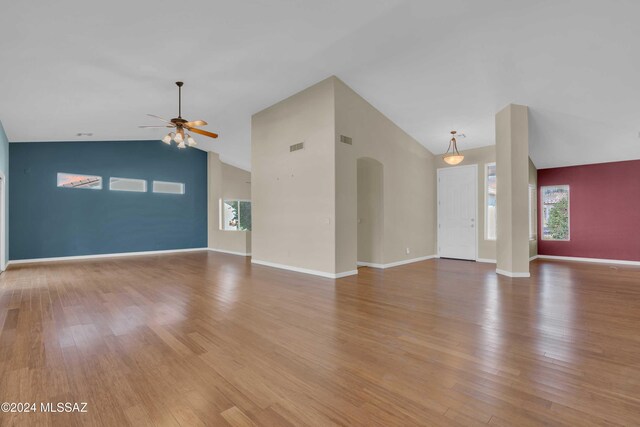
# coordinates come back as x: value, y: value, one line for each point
x: 202, y: 132
x: 161, y: 126
x: 197, y: 123
x: 158, y: 117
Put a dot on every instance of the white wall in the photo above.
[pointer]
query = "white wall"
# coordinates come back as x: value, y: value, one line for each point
x: 409, y: 188
x: 370, y: 188
x: 512, y: 179
x: 226, y: 182
x: 294, y: 192
x: 305, y: 203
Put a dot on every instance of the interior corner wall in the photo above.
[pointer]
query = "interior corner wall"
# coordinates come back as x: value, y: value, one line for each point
x: 226, y: 182
x: 533, y: 180
x: 370, y: 188
x: 512, y: 186
x: 294, y: 192
x: 4, y: 171
x: 481, y: 157
x: 409, y: 187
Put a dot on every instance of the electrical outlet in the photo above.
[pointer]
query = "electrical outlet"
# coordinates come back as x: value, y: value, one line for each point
x: 408, y: 251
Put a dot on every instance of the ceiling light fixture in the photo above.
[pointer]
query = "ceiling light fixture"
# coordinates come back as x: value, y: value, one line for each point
x: 181, y: 125
x: 453, y: 156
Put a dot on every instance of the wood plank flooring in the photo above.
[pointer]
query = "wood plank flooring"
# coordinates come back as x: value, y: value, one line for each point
x: 208, y: 339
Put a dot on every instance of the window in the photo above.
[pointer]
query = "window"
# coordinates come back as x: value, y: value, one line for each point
x: 236, y: 215
x: 72, y: 180
x: 127, y: 184
x: 555, y: 212
x: 168, y: 187
x: 490, y: 202
x: 533, y: 212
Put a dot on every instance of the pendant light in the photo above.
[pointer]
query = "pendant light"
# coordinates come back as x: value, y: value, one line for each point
x: 453, y: 156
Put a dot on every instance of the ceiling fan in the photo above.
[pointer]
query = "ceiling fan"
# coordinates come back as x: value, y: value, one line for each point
x: 181, y: 125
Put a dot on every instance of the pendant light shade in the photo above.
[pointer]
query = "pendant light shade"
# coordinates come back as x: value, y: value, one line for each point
x: 453, y: 156
x: 167, y: 139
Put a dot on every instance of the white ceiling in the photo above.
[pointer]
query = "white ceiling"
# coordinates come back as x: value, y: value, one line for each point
x: 431, y: 66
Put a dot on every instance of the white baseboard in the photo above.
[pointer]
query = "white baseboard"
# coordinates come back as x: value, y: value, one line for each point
x: 370, y: 264
x: 304, y: 270
x: 230, y: 252
x: 97, y: 256
x: 593, y: 260
x: 493, y: 261
x: 346, y: 273
x: 511, y: 273
x: 396, y: 263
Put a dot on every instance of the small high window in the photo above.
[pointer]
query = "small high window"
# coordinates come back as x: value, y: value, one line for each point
x: 127, y: 184
x: 72, y: 180
x: 168, y: 187
x: 236, y: 215
x: 555, y: 212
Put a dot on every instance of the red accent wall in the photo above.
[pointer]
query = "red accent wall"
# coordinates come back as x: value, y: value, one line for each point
x: 604, y: 210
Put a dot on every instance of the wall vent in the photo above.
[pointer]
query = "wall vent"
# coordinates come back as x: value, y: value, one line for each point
x: 346, y: 140
x: 296, y: 147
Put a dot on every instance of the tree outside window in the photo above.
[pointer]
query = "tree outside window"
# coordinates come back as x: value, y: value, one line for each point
x: 555, y: 212
x: 236, y: 215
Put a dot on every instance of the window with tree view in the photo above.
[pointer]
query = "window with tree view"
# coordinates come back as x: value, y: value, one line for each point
x: 555, y: 212
x: 236, y: 215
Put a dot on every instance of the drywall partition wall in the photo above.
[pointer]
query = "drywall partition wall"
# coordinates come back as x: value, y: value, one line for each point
x: 512, y: 189
x: 604, y: 209
x: 305, y: 202
x: 481, y: 157
x: 533, y: 181
x: 226, y: 182
x: 409, y: 188
x: 293, y: 192
x: 48, y: 221
x: 4, y: 215
x: 370, y: 211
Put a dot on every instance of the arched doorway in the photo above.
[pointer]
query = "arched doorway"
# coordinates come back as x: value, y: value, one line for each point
x: 370, y: 211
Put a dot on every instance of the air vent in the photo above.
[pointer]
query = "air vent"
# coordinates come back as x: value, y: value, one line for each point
x: 346, y: 140
x: 296, y: 147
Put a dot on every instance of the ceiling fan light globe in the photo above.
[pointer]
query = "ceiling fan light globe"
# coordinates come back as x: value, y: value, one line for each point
x: 167, y: 139
x: 181, y: 145
x: 178, y: 138
x: 190, y: 141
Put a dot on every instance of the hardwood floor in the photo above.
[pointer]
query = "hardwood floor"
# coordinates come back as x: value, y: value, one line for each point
x: 207, y: 339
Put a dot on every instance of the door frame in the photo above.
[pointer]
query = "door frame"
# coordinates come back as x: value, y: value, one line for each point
x: 475, y: 201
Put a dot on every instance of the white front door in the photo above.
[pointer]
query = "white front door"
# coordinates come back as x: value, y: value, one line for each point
x: 457, y: 208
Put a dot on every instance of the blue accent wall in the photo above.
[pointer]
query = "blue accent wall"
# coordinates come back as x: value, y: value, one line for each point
x: 47, y: 221
x: 4, y: 172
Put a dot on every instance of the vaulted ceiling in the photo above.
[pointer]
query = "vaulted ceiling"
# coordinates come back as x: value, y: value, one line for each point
x: 72, y: 67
